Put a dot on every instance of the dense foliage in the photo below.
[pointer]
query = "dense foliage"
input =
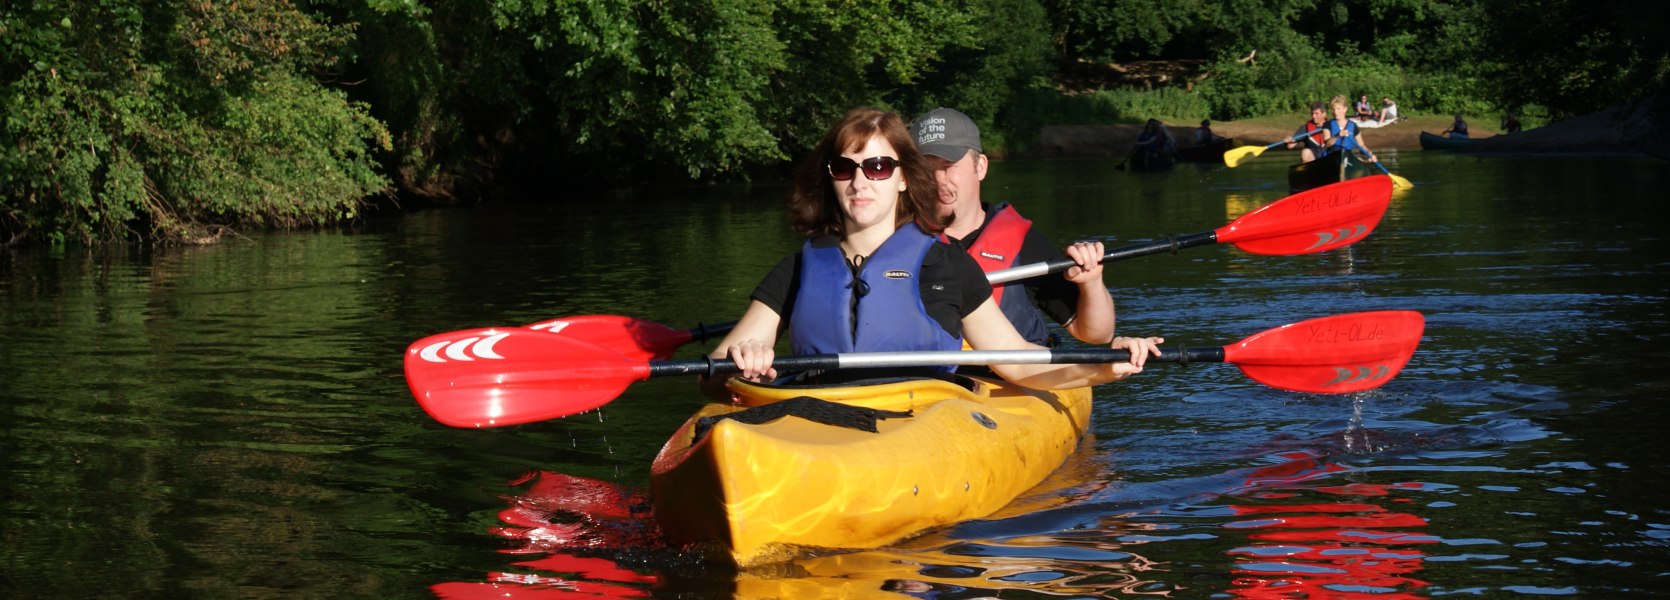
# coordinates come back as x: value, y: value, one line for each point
x: 165, y: 120
x: 168, y: 118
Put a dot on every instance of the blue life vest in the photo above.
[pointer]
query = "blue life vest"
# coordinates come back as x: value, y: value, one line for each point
x: 1348, y: 143
x: 889, y: 314
x: 998, y: 248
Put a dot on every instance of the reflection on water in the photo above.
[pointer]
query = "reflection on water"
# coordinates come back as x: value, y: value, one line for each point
x: 1303, y: 524
x: 581, y: 578
x: 554, y: 517
x: 1352, y: 545
x: 231, y: 421
x: 1236, y: 204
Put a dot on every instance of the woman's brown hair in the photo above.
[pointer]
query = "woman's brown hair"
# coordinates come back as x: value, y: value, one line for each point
x: 814, y: 209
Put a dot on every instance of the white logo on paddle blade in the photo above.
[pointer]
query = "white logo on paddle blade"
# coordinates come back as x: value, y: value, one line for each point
x: 467, y: 349
x: 1324, y: 238
x: 551, y: 326
x: 1364, y: 373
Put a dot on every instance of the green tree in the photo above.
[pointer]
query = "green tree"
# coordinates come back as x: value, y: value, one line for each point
x: 1009, y: 53
x: 166, y: 120
x: 1116, y: 30
x: 160, y: 120
x: 627, y: 90
x: 1576, y: 57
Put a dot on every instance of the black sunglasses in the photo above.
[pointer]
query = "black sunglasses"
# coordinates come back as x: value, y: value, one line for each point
x: 876, y: 168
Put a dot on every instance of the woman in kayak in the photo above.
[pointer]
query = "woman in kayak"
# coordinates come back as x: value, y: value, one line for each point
x: 873, y: 275
x: 1343, y: 134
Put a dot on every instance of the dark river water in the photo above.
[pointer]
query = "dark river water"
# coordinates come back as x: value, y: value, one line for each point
x: 232, y: 421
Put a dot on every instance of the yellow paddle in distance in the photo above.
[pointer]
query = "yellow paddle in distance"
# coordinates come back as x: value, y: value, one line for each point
x: 1235, y: 156
x: 1396, y: 180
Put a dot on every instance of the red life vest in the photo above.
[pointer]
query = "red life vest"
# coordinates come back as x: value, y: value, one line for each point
x: 1315, y: 140
x: 999, y: 243
x: 998, y: 248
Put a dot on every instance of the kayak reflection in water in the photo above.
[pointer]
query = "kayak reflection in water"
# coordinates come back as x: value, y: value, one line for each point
x: 1346, y: 548
x: 873, y: 276
x: 555, y: 519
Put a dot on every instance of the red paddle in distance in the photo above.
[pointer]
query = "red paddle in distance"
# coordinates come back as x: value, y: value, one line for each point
x: 497, y: 377
x: 1312, y: 221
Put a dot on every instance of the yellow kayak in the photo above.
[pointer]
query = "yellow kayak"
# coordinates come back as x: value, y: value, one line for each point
x: 762, y: 491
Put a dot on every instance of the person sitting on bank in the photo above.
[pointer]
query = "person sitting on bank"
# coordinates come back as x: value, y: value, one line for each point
x: 1511, y: 123
x: 1203, y: 134
x: 1457, y: 130
x: 1388, y: 111
x: 1365, y: 110
x: 872, y: 275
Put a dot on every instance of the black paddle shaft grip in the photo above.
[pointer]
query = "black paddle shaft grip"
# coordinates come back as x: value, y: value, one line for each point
x: 1182, y: 355
x: 1171, y: 244
x: 708, y: 366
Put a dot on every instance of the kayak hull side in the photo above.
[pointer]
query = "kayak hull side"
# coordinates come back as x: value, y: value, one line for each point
x: 763, y: 492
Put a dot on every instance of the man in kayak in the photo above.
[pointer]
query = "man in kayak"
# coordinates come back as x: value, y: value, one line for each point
x: 1203, y: 134
x: 1457, y: 130
x: 874, y: 275
x: 1313, y: 143
x: 998, y: 237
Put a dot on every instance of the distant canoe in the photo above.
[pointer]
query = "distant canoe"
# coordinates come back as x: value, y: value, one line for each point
x: 1207, y: 153
x: 1432, y: 141
x: 1331, y: 168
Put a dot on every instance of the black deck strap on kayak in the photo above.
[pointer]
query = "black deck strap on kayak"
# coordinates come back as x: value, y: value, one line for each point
x: 1174, y: 245
x: 812, y: 409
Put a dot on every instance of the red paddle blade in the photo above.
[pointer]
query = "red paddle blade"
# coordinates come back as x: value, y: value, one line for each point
x: 1331, y: 355
x: 632, y: 338
x: 506, y: 376
x: 1315, y: 220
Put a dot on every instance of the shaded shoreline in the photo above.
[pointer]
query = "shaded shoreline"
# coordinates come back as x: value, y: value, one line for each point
x: 1618, y: 131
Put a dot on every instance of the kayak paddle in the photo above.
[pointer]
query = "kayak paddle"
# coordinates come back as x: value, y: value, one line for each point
x: 1312, y: 221
x: 496, y: 377
x: 1235, y: 156
x: 632, y: 338
x: 1399, y: 181
x: 1315, y: 220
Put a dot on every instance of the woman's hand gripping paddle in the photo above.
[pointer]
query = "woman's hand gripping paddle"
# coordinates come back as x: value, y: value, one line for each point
x: 496, y: 377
